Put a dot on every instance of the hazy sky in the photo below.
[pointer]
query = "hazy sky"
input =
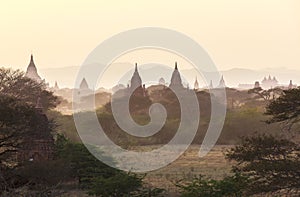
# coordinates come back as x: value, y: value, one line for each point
x: 247, y: 34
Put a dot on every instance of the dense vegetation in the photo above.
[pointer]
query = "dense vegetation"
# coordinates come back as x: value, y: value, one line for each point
x: 72, y: 165
x: 266, y: 164
x: 265, y: 158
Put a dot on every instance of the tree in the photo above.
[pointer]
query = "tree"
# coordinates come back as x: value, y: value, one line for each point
x: 93, y: 175
x: 18, y: 117
x: 16, y: 121
x: 85, y: 167
x: 266, y: 95
x: 14, y: 84
x: 122, y: 184
x: 272, y: 164
x: 285, y: 109
x: 232, y: 186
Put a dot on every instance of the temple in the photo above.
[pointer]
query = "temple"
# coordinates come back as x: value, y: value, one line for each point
x: 222, y: 83
x: 32, y: 71
x: 83, y: 85
x: 136, y: 80
x: 176, y: 81
x: 268, y: 83
x: 196, y: 84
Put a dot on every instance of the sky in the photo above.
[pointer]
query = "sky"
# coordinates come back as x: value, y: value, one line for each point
x: 254, y: 34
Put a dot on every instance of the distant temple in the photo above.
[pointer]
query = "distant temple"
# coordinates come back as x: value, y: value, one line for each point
x: 222, y: 83
x: 211, y: 86
x: 56, y: 87
x: 84, y: 90
x: 136, y: 85
x: 291, y: 85
x: 32, y: 71
x: 136, y: 80
x: 162, y: 81
x: 256, y: 84
x: 196, y: 84
x: 176, y: 81
x: 268, y: 83
x: 83, y: 85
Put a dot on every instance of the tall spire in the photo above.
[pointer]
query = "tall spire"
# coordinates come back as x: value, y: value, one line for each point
x: 222, y: 83
x: 176, y: 79
x: 136, y: 80
x: 56, y: 85
x: 32, y: 71
x: 196, y: 84
x: 211, y: 86
x: 291, y: 85
x: 83, y: 85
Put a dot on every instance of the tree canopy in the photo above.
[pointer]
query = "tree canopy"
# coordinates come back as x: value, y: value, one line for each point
x: 286, y: 108
x: 13, y: 83
x: 271, y: 163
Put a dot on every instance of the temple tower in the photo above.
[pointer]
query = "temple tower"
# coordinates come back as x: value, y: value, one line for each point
x: 32, y: 71
x: 176, y: 81
x: 196, y: 84
x: 136, y: 80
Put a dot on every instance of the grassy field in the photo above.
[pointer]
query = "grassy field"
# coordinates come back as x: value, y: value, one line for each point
x: 214, y: 165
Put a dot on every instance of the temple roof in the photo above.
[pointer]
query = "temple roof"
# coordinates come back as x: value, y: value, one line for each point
x: 84, y: 84
x: 136, y: 80
x: 176, y: 79
x: 32, y: 71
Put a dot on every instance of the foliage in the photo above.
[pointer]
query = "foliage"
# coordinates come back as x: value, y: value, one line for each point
x: 121, y: 184
x: 266, y: 95
x: 229, y: 186
x: 18, y: 117
x: 271, y: 163
x: 14, y: 84
x: 286, y: 108
x: 96, y: 177
x: 17, y: 121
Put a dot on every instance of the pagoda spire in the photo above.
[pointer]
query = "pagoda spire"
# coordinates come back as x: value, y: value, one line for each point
x: 176, y: 68
x: 31, y: 71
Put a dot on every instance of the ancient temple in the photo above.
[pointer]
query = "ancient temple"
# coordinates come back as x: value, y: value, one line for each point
x: 83, y: 85
x: 56, y: 87
x: 256, y: 84
x: 222, y: 83
x: 39, y: 145
x: 31, y: 71
x: 136, y: 80
x: 268, y: 83
x: 196, y: 84
x: 211, y: 86
x: 136, y: 85
x: 291, y: 85
x: 162, y: 81
x: 176, y: 81
x: 83, y: 91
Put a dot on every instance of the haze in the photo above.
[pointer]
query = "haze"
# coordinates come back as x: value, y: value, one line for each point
x: 252, y: 34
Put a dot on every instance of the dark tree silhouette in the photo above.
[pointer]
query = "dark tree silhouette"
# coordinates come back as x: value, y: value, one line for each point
x: 272, y: 164
x: 285, y: 109
x: 14, y: 84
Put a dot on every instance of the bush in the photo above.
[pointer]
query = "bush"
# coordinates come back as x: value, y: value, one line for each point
x: 229, y: 186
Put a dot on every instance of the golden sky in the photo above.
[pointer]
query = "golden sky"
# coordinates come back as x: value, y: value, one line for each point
x: 247, y: 34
